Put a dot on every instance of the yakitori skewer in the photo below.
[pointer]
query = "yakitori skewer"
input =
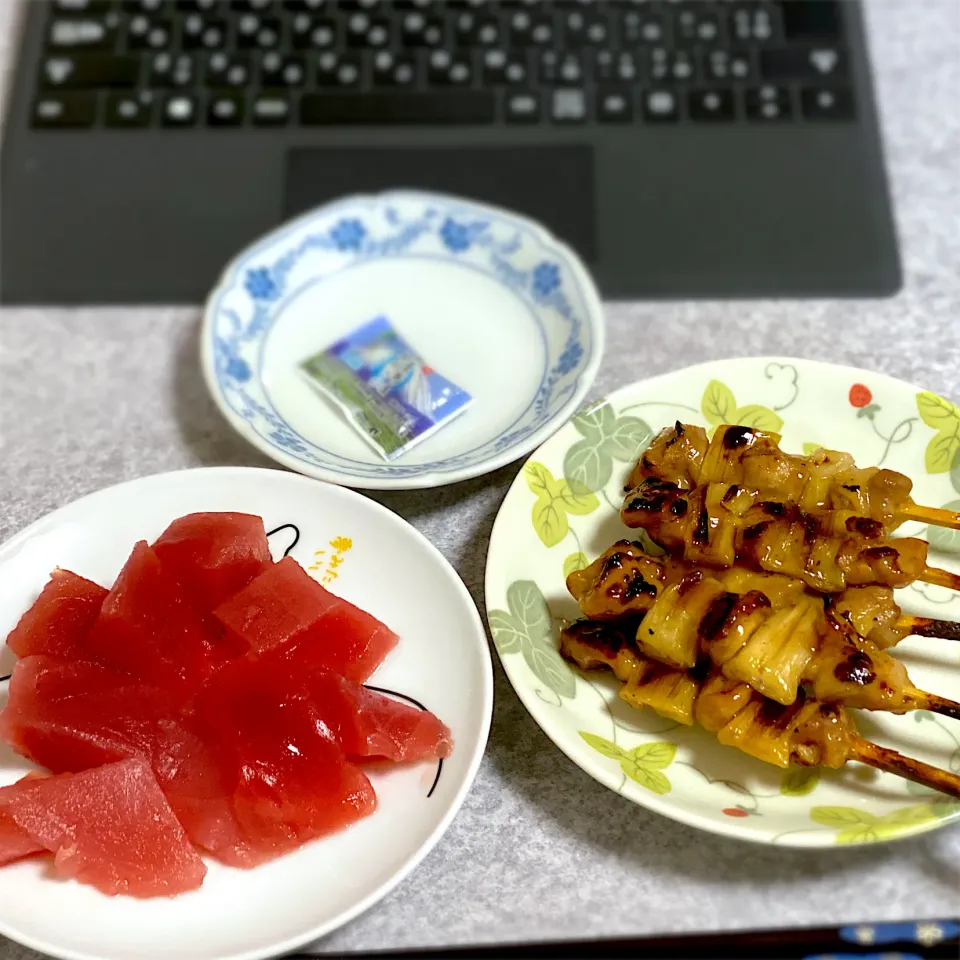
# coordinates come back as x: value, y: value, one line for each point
x: 808, y: 732
x: 775, y: 646
x: 826, y: 479
x: 721, y: 524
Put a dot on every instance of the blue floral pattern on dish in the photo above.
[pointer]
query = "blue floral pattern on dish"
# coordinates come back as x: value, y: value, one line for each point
x: 511, y: 251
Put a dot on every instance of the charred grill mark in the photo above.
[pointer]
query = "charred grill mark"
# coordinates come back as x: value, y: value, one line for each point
x: 638, y: 587
x: 856, y: 669
x: 852, y: 487
x: 688, y: 582
x: 772, y: 507
x: 752, y: 601
x: 611, y: 563
x: 679, y: 507
x: 879, y: 553
x: 701, y: 669
x: 717, y: 614
x: 774, y: 714
x: 736, y: 437
x: 755, y: 531
x: 608, y: 639
x: 678, y: 426
x: 615, y: 591
x: 870, y: 529
x: 732, y: 491
x: 702, y: 532
x: 811, y: 528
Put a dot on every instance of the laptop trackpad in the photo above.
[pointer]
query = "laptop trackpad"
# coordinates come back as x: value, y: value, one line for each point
x: 551, y: 184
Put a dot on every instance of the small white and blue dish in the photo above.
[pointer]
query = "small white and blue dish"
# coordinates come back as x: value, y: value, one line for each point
x: 489, y: 299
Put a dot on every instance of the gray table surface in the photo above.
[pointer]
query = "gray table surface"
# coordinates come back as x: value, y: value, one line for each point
x: 89, y: 398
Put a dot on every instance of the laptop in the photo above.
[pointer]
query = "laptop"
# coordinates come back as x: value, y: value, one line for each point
x: 686, y: 149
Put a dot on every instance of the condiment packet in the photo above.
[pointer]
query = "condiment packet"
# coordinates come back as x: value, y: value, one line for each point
x: 384, y: 388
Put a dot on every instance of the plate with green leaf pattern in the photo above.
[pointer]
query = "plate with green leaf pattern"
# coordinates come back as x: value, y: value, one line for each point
x: 563, y: 510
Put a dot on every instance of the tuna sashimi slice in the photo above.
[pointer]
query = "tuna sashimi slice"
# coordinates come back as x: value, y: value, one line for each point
x: 71, y: 716
x: 60, y: 619
x: 110, y: 827
x: 285, y: 608
x: 148, y: 629
x: 370, y: 724
x: 213, y: 555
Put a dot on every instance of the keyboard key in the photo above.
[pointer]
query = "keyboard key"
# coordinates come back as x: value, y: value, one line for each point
x: 639, y: 27
x: 65, y: 110
x: 723, y: 65
x: 271, y: 109
x: 755, y: 22
x: 440, y: 107
x: 698, y: 25
x: 364, y: 31
x: 209, y: 33
x: 254, y: 31
x: 501, y: 68
x: 827, y: 103
x: 148, y: 33
x: 320, y: 33
x: 167, y: 70
x: 229, y: 70
x: 393, y: 70
x: 277, y: 70
x: 568, y: 105
x: 800, y: 63
x: 529, y: 29
x: 661, y: 106
x: 562, y: 68
x: 581, y: 28
x: 226, y: 109
x: 667, y: 66
x: 129, y: 110
x: 614, y: 105
x: 471, y: 30
x: 339, y: 70
x: 199, y: 6
x: 768, y: 104
x: 421, y: 31
x: 523, y: 107
x: 623, y: 67
x: 812, y: 20
x: 179, y: 110
x: 87, y: 34
x: 445, y: 70
x: 711, y: 106
x: 90, y: 70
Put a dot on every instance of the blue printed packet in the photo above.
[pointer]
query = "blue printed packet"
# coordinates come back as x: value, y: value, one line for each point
x: 384, y: 388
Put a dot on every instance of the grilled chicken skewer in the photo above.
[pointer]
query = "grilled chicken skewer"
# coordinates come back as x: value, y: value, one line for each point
x: 720, y: 524
x: 775, y: 643
x: 825, y: 480
x: 808, y: 732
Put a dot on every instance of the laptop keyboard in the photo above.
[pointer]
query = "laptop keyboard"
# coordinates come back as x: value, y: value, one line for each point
x: 136, y: 64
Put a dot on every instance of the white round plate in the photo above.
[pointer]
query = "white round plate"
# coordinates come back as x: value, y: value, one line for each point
x: 489, y: 299
x: 544, y: 529
x: 442, y: 660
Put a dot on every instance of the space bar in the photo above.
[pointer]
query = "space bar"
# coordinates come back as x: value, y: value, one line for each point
x: 468, y: 106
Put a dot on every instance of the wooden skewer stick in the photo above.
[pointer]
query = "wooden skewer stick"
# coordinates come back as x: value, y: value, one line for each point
x: 935, y: 515
x: 929, y: 627
x: 916, y: 770
x: 940, y: 578
x: 921, y: 700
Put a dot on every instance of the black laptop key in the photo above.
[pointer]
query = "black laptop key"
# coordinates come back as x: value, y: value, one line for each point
x: 226, y: 109
x: 803, y: 63
x: 582, y: 28
x: 62, y: 110
x: 339, y: 70
x: 827, y: 103
x: 392, y: 70
x: 661, y: 106
x: 678, y: 66
x: 500, y: 67
x: 128, y: 110
x: 199, y: 6
x: 624, y: 67
x: 277, y: 70
x: 169, y: 70
x: 445, y: 70
x: 439, y: 107
x: 812, y: 20
x: 523, y: 107
x: 229, y: 70
x: 318, y: 33
x: 726, y: 65
x: 254, y: 31
x: 81, y: 33
x: 364, y: 31
x: 754, y: 22
x: 768, y: 104
x: 568, y: 105
x: 639, y: 27
x: 271, y: 108
x: 474, y: 30
x: 90, y: 71
x: 565, y: 68
x: 149, y: 33
x: 697, y: 25
x: 529, y: 28
x: 418, y: 30
x: 179, y: 110
x: 614, y: 105
x: 204, y: 33
x: 711, y: 106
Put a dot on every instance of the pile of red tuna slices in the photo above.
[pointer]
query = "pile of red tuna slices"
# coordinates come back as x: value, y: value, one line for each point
x: 211, y: 702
